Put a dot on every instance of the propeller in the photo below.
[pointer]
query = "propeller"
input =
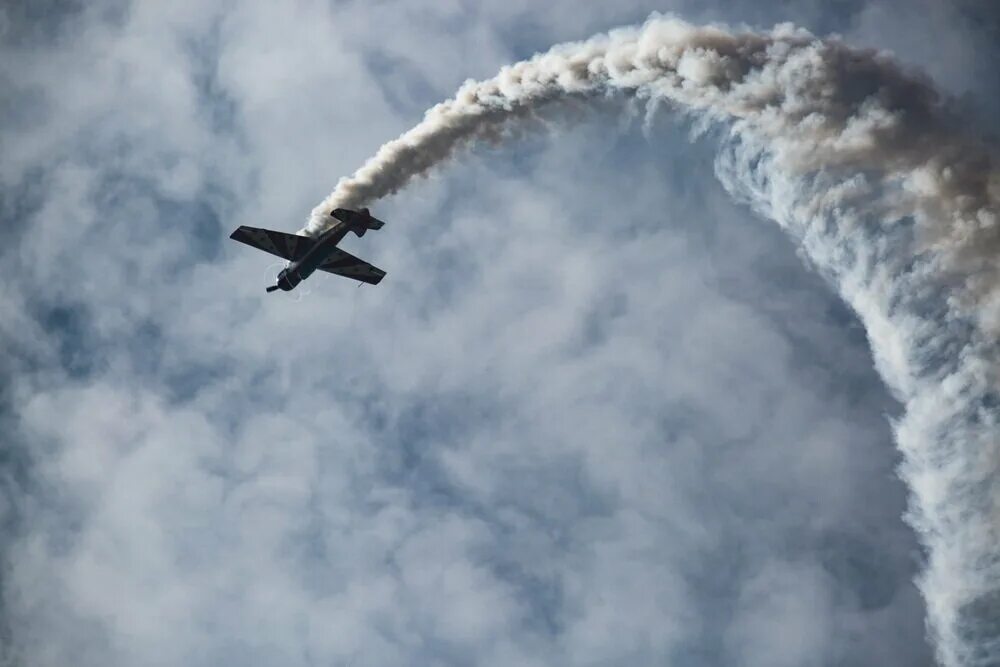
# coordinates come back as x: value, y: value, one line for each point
x: 272, y: 271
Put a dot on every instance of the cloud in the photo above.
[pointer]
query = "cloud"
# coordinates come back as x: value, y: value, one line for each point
x: 863, y: 163
x: 596, y: 413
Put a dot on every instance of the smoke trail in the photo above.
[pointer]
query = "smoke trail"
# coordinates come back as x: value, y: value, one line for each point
x: 889, y: 196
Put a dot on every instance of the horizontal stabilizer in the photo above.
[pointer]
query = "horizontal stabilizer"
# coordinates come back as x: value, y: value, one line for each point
x: 363, y: 219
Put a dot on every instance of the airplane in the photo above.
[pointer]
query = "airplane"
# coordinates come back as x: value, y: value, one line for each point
x: 306, y: 254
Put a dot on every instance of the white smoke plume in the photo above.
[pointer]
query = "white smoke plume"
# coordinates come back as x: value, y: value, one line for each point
x: 891, y: 198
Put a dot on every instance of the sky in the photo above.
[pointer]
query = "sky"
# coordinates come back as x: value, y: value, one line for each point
x: 597, y: 413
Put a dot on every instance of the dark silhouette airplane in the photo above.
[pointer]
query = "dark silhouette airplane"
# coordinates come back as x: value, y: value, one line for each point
x: 306, y: 254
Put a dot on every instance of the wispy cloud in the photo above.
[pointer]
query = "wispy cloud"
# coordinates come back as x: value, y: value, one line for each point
x: 595, y: 414
x: 890, y: 197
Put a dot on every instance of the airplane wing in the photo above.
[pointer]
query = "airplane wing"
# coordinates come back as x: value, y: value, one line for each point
x: 285, y: 246
x: 347, y: 265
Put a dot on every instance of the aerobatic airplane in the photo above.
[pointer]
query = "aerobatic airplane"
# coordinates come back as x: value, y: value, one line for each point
x: 306, y: 254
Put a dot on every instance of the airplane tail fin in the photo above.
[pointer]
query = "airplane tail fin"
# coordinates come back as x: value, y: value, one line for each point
x: 358, y: 221
x: 371, y: 222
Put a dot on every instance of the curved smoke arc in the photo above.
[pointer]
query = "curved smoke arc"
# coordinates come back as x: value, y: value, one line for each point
x: 890, y: 197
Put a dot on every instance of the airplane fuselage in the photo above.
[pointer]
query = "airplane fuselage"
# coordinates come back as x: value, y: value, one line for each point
x: 302, y: 268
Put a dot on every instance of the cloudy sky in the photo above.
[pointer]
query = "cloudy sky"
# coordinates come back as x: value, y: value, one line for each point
x: 596, y: 414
